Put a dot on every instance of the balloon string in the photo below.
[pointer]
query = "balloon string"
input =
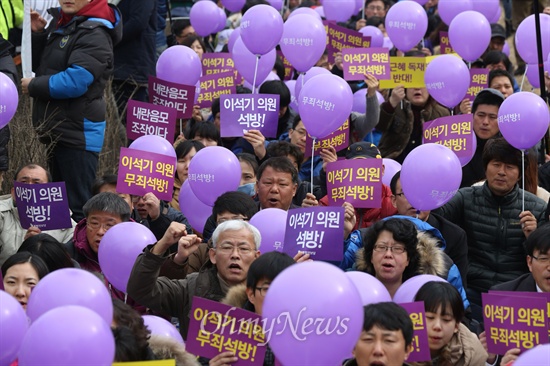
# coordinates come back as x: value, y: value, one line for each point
x: 255, y: 73
x: 181, y: 127
x: 125, y: 297
x: 523, y: 78
x: 312, y: 156
x: 523, y: 180
x: 363, y: 13
x: 469, y: 65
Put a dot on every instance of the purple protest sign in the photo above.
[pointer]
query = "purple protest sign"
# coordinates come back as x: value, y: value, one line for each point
x: 514, y: 322
x: 338, y: 139
x: 288, y: 66
x: 242, y: 112
x: 215, y: 328
x: 479, y: 79
x: 213, y: 86
x: 172, y: 95
x: 445, y: 43
x: 340, y: 38
x: 317, y: 231
x: 42, y: 205
x: 141, y: 172
x: 455, y: 132
x: 213, y: 63
x: 357, y: 181
x: 149, y: 119
x: 421, y: 346
x: 360, y: 61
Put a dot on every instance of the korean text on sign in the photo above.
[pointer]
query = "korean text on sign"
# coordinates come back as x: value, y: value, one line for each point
x: 406, y: 71
x: 213, y: 86
x: 42, y: 205
x: 243, y: 112
x: 444, y: 43
x: 340, y: 38
x: 141, y: 172
x: 454, y: 132
x: 514, y: 322
x: 360, y: 61
x: 479, y: 79
x: 215, y: 327
x: 172, y: 95
x: 357, y: 181
x: 317, y: 231
x: 149, y: 119
x: 338, y: 139
x: 421, y: 346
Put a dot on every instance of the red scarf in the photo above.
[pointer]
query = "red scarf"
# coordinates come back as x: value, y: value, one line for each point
x: 94, y: 9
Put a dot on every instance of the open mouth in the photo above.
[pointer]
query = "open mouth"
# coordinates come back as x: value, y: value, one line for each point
x: 235, y: 268
x: 377, y: 363
x: 23, y: 304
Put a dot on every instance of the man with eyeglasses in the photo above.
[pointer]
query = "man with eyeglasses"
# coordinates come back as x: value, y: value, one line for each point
x: 236, y: 245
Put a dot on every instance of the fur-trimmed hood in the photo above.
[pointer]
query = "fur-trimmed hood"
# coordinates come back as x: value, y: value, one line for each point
x: 431, y: 257
x: 237, y: 297
x: 165, y: 348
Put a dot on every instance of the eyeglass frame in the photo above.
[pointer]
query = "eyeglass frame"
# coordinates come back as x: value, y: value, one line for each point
x: 544, y: 261
x: 386, y: 247
x: 99, y: 225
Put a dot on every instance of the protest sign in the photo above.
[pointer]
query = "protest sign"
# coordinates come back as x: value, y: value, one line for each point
x: 360, y: 61
x: 406, y: 71
x: 479, y: 79
x: 178, y: 96
x: 214, y: 86
x: 242, y: 112
x: 149, y: 119
x: 44, y: 206
x: 421, y: 346
x: 340, y: 38
x: 338, y: 139
x: 455, y: 132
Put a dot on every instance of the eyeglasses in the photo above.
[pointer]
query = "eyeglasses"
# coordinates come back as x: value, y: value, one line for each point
x: 375, y: 8
x: 224, y: 219
x: 229, y: 249
x: 398, y: 249
x: 95, y: 225
x: 402, y: 194
x: 263, y: 290
x: 135, y: 199
x: 541, y: 260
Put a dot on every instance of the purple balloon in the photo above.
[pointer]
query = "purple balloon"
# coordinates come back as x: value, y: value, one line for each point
x: 489, y: 8
x: 419, y: 169
x: 245, y: 62
x: 539, y: 355
x: 473, y: 27
x: 270, y: 77
x: 196, y: 212
x: 69, y: 335
x: 222, y: 21
x: 421, y: 2
x: 319, y: 10
x: 337, y: 99
x: 390, y: 168
x: 13, y: 326
x: 466, y: 159
x: 449, y: 9
x: 387, y: 43
x: 358, y: 6
x: 233, y: 6
x: 496, y: 17
x: 531, y: 119
x: 154, y: 144
x: 408, y: 289
x: 236, y: 34
x: 277, y: 4
x: 70, y: 286
x: 339, y: 10
x: 159, y: 326
x: 359, y: 101
x: 532, y: 72
x: 407, y: 12
x: 9, y: 98
x: 291, y: 84
x: 375, y: 34
x: 221, y: 165
x: 303, y: 55
x: 506, y: 49
x: 271, y: 222
x: 305, y: 10
x: 321, y: 301
x: 119, y: 248
x: 447, y: 79
x: 261, y: 29
x: 311, y: 73
x: 526, y: 42
x: 370, y: 289
x: 380, y: 97
x: 201, y: 16
x: 177, y: 58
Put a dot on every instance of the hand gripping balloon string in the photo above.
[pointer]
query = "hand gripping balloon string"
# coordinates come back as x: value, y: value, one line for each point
x: 255, y: 73
x: 523, y: 77
x: 312, y: 155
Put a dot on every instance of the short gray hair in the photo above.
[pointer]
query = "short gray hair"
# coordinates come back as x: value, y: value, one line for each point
x: 236, y: 225
x: 110, y: 203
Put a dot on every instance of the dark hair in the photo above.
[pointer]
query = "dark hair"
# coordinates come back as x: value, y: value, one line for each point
x: 238, y: 203
x: 297, y: 119
x: 386, y: 3
x: 279, y: 164
x: 403, y: 231
x: 538, y: 239
x: 495, y: 57
x: 250, y: 3
x: 440, y: 295
x: 393, y: 183
x: 279, y: 68
x: 179, y: 25
x: 185, y: 147
x: 207, y: 130
x: 191, y: 38
x: 105, y: 180
x: 389, y: 316
x: 531, y: 172
x: 125, y: 316
x: 25, y: 257
x: 128, y: 347
x: 284, y: 148
x: 215, y: 108
x: 277, y: 87
x: 267, y: 266
x: 487, y: 98
x: 375, y: 21
x: 498, y: 72
x: 33, y: 166
x: 52, y: 252
x: 250, y: 160
x: 500, y: 150
x: 107, y: 202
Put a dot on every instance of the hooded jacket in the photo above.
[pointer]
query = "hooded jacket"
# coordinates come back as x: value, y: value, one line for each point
x: 73, y: 64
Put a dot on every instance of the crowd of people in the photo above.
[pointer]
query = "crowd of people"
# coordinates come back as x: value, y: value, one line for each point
x: 493, y: 234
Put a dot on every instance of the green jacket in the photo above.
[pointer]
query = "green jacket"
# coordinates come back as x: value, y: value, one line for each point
x: 11, y: 15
